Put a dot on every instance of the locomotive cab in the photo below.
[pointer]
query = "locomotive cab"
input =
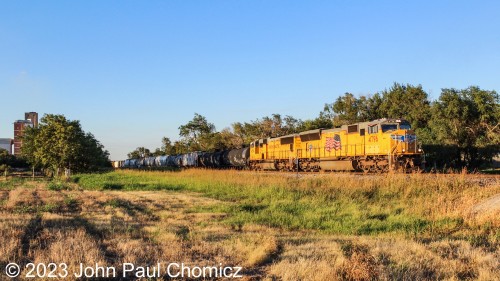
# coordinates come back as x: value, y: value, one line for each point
x: 404, y: 151
x: 402, y: 138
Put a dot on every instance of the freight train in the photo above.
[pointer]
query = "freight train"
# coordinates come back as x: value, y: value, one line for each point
x: 236, y: 158
x: 377, y: 146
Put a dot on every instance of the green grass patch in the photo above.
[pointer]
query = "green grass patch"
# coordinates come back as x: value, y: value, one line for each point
x: 57, y: 186
x: 31, y: 209
x: 12, y: 183
x: 383, y: 206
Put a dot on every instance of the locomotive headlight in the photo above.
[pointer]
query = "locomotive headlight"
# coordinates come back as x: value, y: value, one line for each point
x: 403, y: 150
x: 420, y: 150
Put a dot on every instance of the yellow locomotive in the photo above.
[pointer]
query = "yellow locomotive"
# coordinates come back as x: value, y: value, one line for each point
x: 377, y: 146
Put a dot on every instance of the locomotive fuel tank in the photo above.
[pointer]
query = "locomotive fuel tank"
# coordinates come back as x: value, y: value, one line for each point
x: 339, y: 165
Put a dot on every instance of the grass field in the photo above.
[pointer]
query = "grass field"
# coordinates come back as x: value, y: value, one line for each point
x: 276, y: 226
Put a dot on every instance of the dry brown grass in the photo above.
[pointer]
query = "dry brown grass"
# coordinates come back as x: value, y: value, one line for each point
x: 71, y: 246
x: 365, y: 258
x: 146, y: 227
x: 12, y: 229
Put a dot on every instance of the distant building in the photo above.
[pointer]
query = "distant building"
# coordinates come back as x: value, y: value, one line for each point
x: 31, y: 120
x: 33, y: 117
x: 19, y: 127
x: 6, y: 144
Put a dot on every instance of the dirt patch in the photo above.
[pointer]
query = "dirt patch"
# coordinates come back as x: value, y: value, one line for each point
x: 489, y: 208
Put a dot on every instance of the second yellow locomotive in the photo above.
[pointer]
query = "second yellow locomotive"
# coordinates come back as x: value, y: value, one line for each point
x: 377, y: 146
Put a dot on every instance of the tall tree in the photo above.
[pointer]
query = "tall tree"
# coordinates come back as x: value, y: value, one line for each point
x: 92, y: 155
x: 58, y: 143
x: 198, y: 133
x: 406, y: 101
x: 291, y: 125
x: 229, y: 139
x: 369, y: 107
x: 467, y: 120
x: 346, y: 110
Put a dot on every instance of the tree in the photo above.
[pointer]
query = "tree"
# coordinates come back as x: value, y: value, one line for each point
x: 240, y: 133
x: 291, y: 125
x: 158, y: 152
x: 272, y: 126
x: 369, y: 108
x: 467, y: 121
x: 268, y: 126
x: 6, y: 161
x: 180, y: 147
x: 198, y: 133
x: 346, y: 109
x: 320, y: 122
x: 167, y: 147
x: 59, y: 143
x: 405, y: 101
x: 248, y: 131
x: 6, y: 158
x: 140, y: 152
x: 92, y: 155
x: 229, y: 140
x: 400, y: 101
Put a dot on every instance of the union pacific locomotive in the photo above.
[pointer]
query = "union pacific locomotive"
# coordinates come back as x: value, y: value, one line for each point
x: 377, y: 146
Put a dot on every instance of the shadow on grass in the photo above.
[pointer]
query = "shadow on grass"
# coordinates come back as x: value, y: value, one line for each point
x: 112, y: 186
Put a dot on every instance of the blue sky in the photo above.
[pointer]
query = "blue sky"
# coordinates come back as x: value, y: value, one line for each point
x: 134, y: 71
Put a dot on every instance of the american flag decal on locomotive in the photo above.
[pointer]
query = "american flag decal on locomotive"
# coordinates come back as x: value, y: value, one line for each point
x: 333, y: 143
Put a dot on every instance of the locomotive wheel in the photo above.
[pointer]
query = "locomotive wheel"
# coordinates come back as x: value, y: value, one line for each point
x: 383, y: 168
x: 365, y: 168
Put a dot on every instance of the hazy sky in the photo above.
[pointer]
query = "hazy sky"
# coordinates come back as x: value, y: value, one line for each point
x: 133, y: 71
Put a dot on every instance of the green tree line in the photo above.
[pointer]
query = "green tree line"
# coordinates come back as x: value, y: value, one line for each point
x: 459, y: 129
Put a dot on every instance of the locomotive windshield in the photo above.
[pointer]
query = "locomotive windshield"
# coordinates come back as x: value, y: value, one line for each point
x: 405, y: 126
x: 389, y: 127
